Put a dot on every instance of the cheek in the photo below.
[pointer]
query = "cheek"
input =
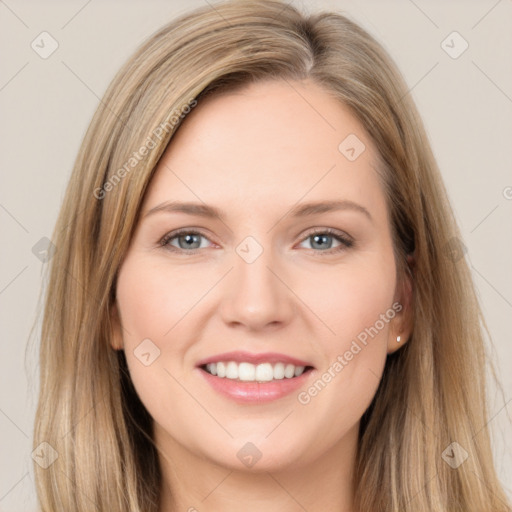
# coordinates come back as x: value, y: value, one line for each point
x: 356, y: 303
x: 154, y: 298
x: 153, y: 302
x: 350, y: 298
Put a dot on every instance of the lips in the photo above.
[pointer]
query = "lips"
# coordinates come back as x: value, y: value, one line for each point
x: 262, y: 386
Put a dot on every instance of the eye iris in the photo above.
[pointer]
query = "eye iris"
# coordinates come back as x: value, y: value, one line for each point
x: 323, y: 238
x: 189, y: 240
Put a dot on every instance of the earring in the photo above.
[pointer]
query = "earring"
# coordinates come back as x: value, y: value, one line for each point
x: 398, y: 338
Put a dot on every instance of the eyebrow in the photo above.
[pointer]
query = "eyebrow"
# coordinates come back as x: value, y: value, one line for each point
x: 299, y: 211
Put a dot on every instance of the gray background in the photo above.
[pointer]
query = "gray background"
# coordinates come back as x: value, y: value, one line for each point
x: 46, y: 105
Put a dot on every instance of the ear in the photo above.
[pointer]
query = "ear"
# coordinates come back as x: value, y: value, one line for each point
x: 116, y: 339
x: 403, y: 322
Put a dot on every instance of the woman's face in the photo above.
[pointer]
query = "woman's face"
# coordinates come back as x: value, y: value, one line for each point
x: 279, y: 285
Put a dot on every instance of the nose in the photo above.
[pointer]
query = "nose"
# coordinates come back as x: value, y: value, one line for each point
x: 256, y: 294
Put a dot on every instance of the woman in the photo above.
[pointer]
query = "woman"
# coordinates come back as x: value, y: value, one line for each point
x: 253, y: 371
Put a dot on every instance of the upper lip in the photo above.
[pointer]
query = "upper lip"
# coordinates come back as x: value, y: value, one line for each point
x: 248, y: 357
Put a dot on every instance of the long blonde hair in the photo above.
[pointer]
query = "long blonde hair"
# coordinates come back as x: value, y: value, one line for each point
x: 433, y: 389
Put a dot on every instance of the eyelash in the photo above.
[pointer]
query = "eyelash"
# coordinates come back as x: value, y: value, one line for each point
x: 345, y: 241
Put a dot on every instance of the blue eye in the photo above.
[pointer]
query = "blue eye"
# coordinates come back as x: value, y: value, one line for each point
x: 189, y: 241
x: 320, y: 240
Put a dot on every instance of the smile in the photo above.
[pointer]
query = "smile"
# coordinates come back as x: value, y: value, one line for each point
x: 248, y: 372
x: 249, y: 378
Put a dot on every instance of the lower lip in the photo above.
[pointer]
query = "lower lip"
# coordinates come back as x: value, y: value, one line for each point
x: 255, y: 392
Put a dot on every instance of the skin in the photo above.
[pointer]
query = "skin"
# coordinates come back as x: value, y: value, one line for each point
x: 255, y: 154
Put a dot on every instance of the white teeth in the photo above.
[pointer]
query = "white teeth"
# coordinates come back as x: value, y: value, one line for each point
x: 248, y: 372
x: 232, y: 370
x: 221, y: 369
x: 289, y: 371
x: 279, y: 371
x: 299, y: 370
x: 264, y: 372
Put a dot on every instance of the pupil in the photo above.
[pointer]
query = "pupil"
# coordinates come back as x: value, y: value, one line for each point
x: 189, y: 239
x: 322, y: 238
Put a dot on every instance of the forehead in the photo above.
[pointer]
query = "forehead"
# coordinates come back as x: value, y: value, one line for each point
x: 269, y: 142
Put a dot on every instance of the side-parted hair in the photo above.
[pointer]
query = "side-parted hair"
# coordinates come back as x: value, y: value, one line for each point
x: 433, y: 389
